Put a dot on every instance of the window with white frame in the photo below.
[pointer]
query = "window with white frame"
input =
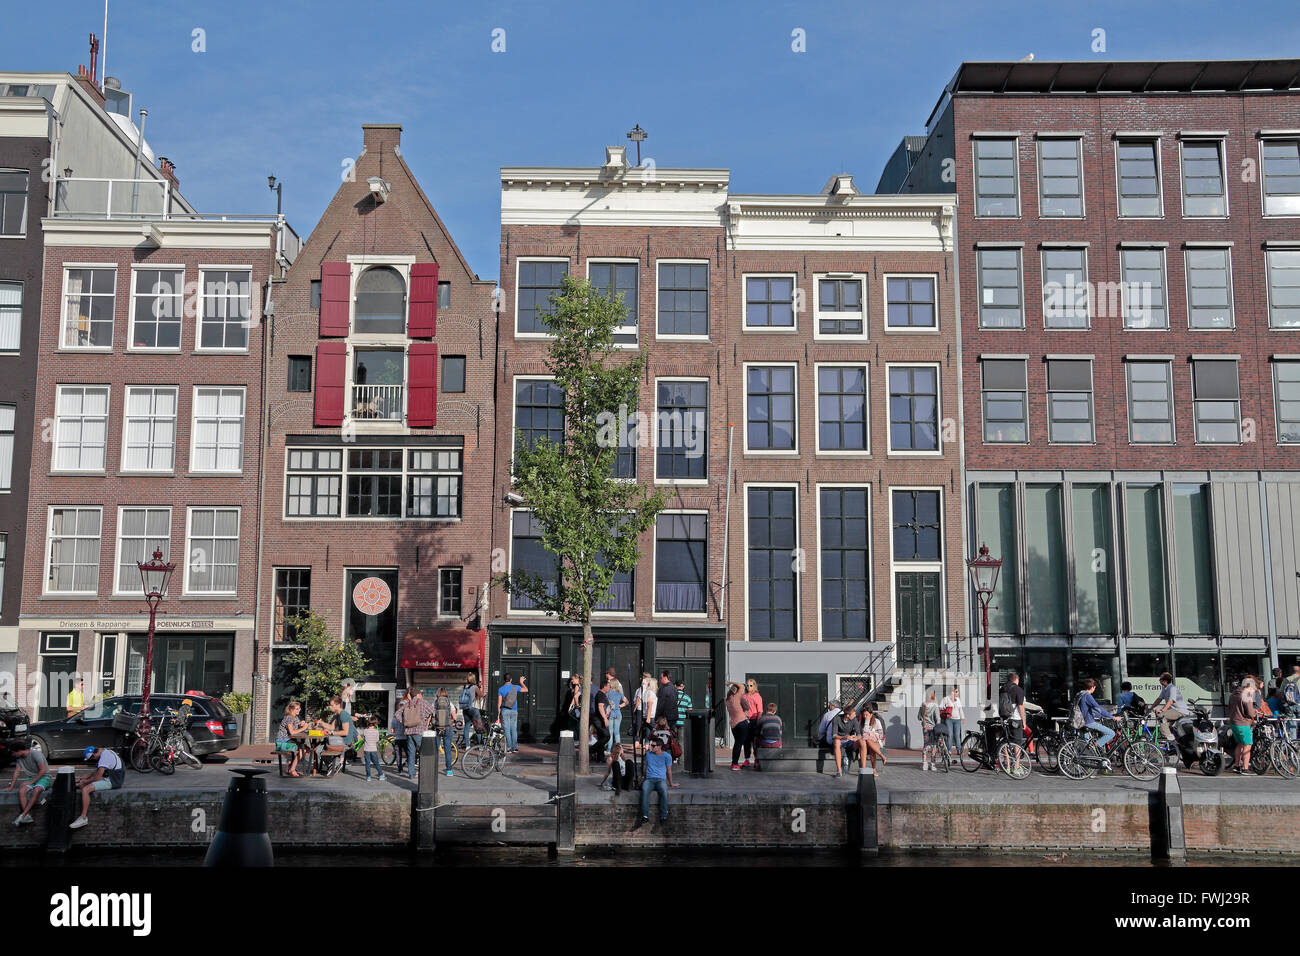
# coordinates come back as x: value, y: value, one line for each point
x: 909, y: 302
x: 1281, y: 162
x: 8, y: 419
x: 1209, y: 288
x: 683, y: 297
x: 770, y: 408
x: 149, y: 429
x: 313, y: 483
x: 157, y: 307
x: 13, y: 202
x: 140, y: 532
x: 225, y: 307
x: 1065, y: 288
x: 88, y: 304
x: 1005, y: 401
x: 433, y: 483
x: 80, y: 427
x: 769, y: 302
x: 11, y: 316
x: 840, y: 306
x: 842, y: 408
x: 72, y: 551
x: 997, y: 192
x: 1001, y: 304
x: 1283, y: 288
x: 1060, y: 178
x: 217, y: 444
x: 1143, y: 288
x: 1204, y: 193
x: 1286, y: 394
x: 1216, y: 397
x: 381, y: 483
x: 539, y: 279
x: 212, y: 551
x: 1138, y: 174
x: 681, y: 563
x: 619, y: 281
x: 914, y: 408
x: 1150, y: 403
x: 1069, y: 401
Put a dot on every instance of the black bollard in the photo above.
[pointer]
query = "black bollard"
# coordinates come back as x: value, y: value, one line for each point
x: 1168, y: 839
x: 241, y: 838
x: 423, y: 824
x: 867, y: 839
x: 63, y: 809
x: 566, y: 799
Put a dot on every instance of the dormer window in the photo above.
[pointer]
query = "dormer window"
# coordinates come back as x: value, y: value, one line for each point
x: 381, y: 302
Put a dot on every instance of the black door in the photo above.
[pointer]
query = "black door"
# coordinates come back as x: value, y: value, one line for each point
x: 625, y: 658
x: 799, y: 699
x: 58, y: 673
x: 539, y: 707
x: 916, y: 604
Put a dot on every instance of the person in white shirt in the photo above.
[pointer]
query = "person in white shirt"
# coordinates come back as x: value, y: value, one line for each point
x: 873, y: 735
x: 955, y: 713
x: 643, y: 705
x: 828, y: 718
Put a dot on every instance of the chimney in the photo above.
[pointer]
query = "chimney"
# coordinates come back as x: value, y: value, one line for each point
x: 168, y: 169
x: 381, y: 137
x: 615, y: 158
x: 88, y: 84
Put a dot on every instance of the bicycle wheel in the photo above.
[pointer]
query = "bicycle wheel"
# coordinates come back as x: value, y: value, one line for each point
x: 1143, y: 760
x: 140, y: 755
x: 1014, y: 761
x: 387, y: 752
x: 972, y: 752
x: 478, y: 762
x: 1046, y: 747
x: 1259, y: 760
x: 943, y: 758
x: 1067, y: 761
x: 162, y: 762
x: 500, y: 761
x: 1285, y: 761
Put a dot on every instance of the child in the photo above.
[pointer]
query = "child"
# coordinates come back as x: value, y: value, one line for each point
x: 618, y: 768
x: 289, y: 726
x: 370, y: 747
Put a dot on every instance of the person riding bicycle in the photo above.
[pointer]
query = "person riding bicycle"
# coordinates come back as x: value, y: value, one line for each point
x: 1169, y: 706
x: 1094, y: 713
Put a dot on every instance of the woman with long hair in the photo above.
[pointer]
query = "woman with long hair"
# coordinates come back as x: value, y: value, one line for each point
x: 739, y: 721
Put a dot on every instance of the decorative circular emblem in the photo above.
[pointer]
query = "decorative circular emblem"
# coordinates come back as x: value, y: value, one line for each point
x: 372, y: 596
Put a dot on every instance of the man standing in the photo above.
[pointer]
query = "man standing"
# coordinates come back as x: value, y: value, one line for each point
x: 1011, y: 708
x: 469, y: 695
x: 658, y: 777
x: 508, y: 710
x: 415, y: 718
x: 109, y: 774
x: 444, y: 715
x: 667, y: 704
x: 1241, y: 714
x: 76, y: 702
x: 1169, y: 705
x: 32, y: 763
x: 683, y: 705
x: 600, y: 720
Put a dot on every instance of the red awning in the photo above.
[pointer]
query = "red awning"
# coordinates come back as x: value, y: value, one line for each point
x: 442, y: 648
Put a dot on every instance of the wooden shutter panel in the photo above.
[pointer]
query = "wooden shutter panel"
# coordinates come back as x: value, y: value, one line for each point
x: 335, y: 297
x: 422, y: 384
x: 423, y: 312
x: 331, y: 382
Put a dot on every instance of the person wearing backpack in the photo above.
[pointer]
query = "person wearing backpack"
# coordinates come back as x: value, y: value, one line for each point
x: 1011, y: 708
x: 508, y: 710
x: 415, y: 718
x: 1092, y: 713
x: 469, y: 695
x: 1169, y: 706
x: 444, y: 718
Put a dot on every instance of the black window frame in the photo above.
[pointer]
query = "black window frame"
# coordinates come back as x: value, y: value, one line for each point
x: 290, y: 582
x: 675, y: 454
x: 769, y: 563
x: 911, y: 395
x: 296, y: 366
x: 673, y: 290
x: 445, y: 377
x: 835, y: 525
x: 837, y: 395
x: 767, y: 397
x: 531, y: 284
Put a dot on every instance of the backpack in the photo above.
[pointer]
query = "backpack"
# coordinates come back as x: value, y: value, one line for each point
x: 1291, y: 692
x: 467, y: 697
x: 1006, y: 707
x: 411, y: 717
x: 1076, y: 714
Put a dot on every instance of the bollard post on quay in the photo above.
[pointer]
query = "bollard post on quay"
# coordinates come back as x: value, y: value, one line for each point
x: 242, y: 838
x: 425, y: 799
x: 1168, y: 835
x: 62, y: 810
x: 866, y: 839
x: 566, y: 797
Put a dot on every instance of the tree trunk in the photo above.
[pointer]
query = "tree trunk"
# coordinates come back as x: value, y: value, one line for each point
x: 584, y: 723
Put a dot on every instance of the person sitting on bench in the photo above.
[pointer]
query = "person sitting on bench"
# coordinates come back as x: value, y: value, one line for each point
x: 846, y: 732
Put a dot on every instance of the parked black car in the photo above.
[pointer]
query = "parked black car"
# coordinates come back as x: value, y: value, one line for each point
x: 13, y: 723
x: 212, y: 729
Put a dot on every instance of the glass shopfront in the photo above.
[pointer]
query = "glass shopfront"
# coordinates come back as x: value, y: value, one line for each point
x: 202, y: 662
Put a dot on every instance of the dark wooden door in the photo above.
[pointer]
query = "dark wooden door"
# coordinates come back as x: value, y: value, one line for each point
x: 538, y: 708
x: 916, y: 604
x: 799, y: 703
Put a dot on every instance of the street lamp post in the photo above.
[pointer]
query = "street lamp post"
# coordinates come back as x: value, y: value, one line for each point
x: 154, y: 575
x: 984, y: 578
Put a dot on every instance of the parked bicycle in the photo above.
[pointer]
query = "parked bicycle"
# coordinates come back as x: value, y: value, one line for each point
x: 1081, y: 756
x: 488, y: 755
x: 168, y: 742
x: 936, y: 753
x: 990, y: 748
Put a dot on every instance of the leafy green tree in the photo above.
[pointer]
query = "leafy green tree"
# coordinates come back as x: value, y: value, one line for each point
x: 587, y: 520
x: 323, y: 662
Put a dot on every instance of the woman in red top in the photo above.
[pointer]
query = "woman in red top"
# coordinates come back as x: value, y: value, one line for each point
x: 753, y: 710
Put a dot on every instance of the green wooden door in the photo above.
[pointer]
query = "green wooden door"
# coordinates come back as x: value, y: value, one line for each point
x: 800, y: 700
x: 916, y: 606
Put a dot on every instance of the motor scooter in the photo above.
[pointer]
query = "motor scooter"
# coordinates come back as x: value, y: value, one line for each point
x: 1199, y: 741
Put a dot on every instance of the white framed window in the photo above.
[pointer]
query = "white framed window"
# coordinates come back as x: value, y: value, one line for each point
x: 157, y: 308
x: 225, y: 308
x: 770, y: 302
x: 80, y: 427
x: 211, y: 550
x: 1205, y: 193
x: 1137, y: 174
x: 141, y: 530
x: 620, y: 279
x: 681, y: 563
x: 72, y: 549
x: 844, y: 605
x: 11, y: 316
x: 217, y: 435
x: 681, y: 430
x: 772, y: 575
x: 843, y: 425
x: 536, y: 280
x: 911, y: 303
x: 8, y: 419
x: 682, y: 299
x: 771, y: 409
x: 149, y: 428
x: 1209, y: 288
x: 89, y: 303
x: 1280, y: 182
x: 841, y: 306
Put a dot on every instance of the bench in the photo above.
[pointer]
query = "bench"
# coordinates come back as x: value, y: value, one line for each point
x: 801, y: 759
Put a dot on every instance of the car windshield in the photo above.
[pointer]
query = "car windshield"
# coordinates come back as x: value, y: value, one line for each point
x: 100, y: 709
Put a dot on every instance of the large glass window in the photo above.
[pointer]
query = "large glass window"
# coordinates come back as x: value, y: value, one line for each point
x: 11, y: 316
x: 292, y: 598
x: 773, y: 598
x: 429, y: 486
x: 539, y: 411
x: 1001, y: 304
x: 681, y: 563
x: 845, y: 563
x: 842, y: 408
x: 618, y: 281
x: 140, y: 532
x: 1217, y: 402
x: 528, y: 555
x: 996, y: 179
x: 313, y: 483
x: 433, y: 483
x: 769, y: 302
x: 80, y: 427
x: 226, y: 308
x: 840, y: 309
x: 769, y: 407
x: 1150, y: 403
x: 72, y: 558
x: 213, y: 551
x: 1045, y: 566
x: 1209, y: 288
x: 13, y: 202
x: 1004, y: 397
x: 1065, y: 288
x: 917, y: 526
x: 1286, y: 391
x: 684, y: 298
x: 149, y: 439
x: 1281, y: 177
x: 1060, y: 179
x: 374, y: 483
x: 218, y: 439
x: 1094, y: 597
x: 914, y: 408
x: 997, y: 530
x: 88, y: 305
x: 1203, y: 189
x: 538, y: 281
x: 381, y: 302
x: 1145, y: 522
x: 1283, y: 288
x: 1143, y: 288
x: 909, y: 302
x: 681, y: 444
x: 1193, y: 559
x: 1139, y: 178
x: 157, y: 307
x: 8, y: 418
x: 1069, y: 401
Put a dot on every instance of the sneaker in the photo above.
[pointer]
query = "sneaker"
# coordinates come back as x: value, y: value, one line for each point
x: 640, y: 822
x: 1238, y: 770
x: 27, y: 818
x: 839, y: 773
x: 382, y: 777
x: 735, y: 766
x: 18, y: 820
x: 78, y: 823
x: 745, y: 764
x: 450, y: 773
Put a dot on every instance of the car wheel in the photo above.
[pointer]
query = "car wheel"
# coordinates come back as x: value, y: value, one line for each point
x: 38, y: 743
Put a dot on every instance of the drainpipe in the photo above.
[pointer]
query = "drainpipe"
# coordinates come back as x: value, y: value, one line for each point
x: 135, y: 180
x: 264, y: 428
x: 726, y: 524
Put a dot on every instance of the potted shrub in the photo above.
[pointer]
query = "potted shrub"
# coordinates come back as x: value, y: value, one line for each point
x: 239, y: 705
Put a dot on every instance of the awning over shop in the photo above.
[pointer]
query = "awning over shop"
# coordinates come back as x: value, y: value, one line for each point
x: 442, y: 648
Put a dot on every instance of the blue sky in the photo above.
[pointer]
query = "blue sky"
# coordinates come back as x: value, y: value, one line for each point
x: 283, y: 86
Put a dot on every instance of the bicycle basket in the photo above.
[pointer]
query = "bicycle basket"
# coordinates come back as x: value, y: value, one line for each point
x: 125, y: 722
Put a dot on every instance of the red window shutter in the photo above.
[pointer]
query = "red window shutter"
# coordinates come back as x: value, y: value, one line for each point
x: 331, y: 382
x: 335, y: 296
x: 422, y: 384
x: 423, y: 315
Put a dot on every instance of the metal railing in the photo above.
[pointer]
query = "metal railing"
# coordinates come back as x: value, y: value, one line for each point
x: 88, y: 198
x: 377, y: 402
